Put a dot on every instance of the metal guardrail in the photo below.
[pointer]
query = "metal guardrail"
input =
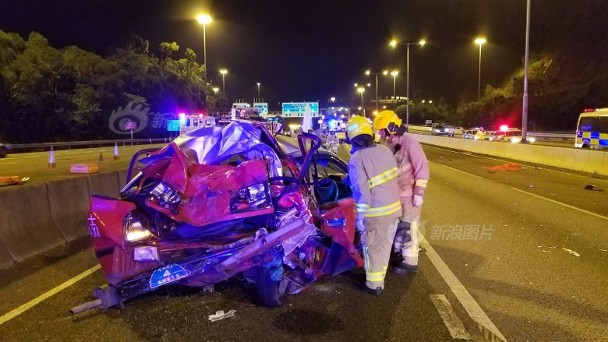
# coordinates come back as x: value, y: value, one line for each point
x: 547, y: 135
x: 553, y: 135
x: 85, y: 144
x: 99, y: 143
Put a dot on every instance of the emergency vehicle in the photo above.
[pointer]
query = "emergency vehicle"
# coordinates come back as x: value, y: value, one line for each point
x: 189, y: 122
x: 592, y: 129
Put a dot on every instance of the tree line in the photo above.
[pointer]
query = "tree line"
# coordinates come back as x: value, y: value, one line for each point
x: 559, y: 89
x: 49, y: 94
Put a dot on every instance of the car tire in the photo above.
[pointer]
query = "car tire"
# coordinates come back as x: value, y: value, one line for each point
x: 264, y: 284
x: 268, y: 291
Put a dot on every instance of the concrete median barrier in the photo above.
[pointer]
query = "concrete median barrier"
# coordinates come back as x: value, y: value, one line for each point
x: 6, y: 260
x: 568, y: 158
x: 26, y: 227
x: 69, y: 202
x: 122, y: 178
x: 106, y: 184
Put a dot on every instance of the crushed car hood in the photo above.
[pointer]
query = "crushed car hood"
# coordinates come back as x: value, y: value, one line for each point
x: 214, y: 145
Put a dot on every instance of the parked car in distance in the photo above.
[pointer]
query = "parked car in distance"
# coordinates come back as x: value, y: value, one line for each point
x: 475, y: 134
x: 4, y: 149
x: 442, y: 129
x: 512, y: 135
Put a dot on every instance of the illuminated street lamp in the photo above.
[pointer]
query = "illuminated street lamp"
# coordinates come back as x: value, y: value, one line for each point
x: 361, y: 90
x: 394, y: 44
x: 368, y: 72
x: 394, y: 73
x: 223, y: 72
x: 479, y: 41
x: 258, y: 89
x: 204, y: 19
x: 215, y: 90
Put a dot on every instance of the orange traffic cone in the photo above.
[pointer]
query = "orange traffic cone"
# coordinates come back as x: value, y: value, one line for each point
x: 115, y: 151
x: 100, y: 157
x: 52, y: 164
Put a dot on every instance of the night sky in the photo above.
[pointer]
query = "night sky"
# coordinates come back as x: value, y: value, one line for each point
x: 313, y: 50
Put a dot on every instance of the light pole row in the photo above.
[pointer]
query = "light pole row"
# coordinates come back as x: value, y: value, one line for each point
x: 394, y: 44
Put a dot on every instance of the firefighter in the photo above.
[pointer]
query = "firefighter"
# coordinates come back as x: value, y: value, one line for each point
x: 323, y: 136
x: 372, y: 171
x: 413, y: 176
x: 332, y: 142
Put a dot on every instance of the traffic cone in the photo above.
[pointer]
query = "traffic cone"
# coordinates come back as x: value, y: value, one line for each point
x: 115, y: 151
x: 100, y: 157
x: 52, y: 164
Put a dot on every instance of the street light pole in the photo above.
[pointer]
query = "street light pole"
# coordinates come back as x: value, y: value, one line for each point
x: 524, y: 111
x: 361, y: 90
x: 258, y: 90
x: 394, y: 44
x: 395, y: 73
x: 480, y: 42
x: 204, y: 19
x: 368, y: 72
x: 223, y: 72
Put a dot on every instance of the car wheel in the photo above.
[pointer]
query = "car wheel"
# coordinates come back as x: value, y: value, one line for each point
x: 2, y: 154
x: 264, y: 283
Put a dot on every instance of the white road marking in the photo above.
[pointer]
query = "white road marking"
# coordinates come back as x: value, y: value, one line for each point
x: 450, y: 319
x: 23, y: 308
x: 476, y: 313
x: 562, y: 204
x: 543, y: 167
x: 533, y: 195
x: 466, y: 173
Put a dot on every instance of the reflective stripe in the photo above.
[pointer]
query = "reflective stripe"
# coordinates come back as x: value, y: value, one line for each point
x: 386, y: 210
x: 362, y: 208
x: 383, y: 177
x: 422, y: 182
x: 366, y: 259
x: 374, y: 276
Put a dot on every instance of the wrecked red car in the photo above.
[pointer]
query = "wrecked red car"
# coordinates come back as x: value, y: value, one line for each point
x: 221, y: 202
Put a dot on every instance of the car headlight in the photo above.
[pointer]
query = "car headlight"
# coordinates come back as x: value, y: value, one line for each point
x: 252, y: 197
x: 135, y: 227
x: 531, y: 139
x: 515, y: 140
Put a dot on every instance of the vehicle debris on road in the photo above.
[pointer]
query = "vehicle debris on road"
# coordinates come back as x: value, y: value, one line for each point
x: 220, y: 315
x: 504, y: 167
x: 13, y: 180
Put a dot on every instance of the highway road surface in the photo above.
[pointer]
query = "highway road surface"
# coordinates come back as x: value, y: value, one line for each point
x: 513, y: 255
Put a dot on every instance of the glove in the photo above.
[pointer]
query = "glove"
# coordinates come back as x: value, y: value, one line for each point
x: 417, y: 200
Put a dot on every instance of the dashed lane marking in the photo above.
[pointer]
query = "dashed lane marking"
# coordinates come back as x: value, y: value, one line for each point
x: 487, y: 327
x: 23, y: 308
x: 450, y: 319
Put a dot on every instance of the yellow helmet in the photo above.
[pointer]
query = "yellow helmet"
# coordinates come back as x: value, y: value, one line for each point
x: 387, y: 119
x: 358, y: 125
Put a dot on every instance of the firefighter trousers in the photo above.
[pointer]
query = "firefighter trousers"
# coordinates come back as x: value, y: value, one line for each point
x: 377, y: 240
x: 407, y: 240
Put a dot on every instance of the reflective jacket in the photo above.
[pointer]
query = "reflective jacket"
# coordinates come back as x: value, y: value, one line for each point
x: 412, y: 165
x: 373, y: 177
